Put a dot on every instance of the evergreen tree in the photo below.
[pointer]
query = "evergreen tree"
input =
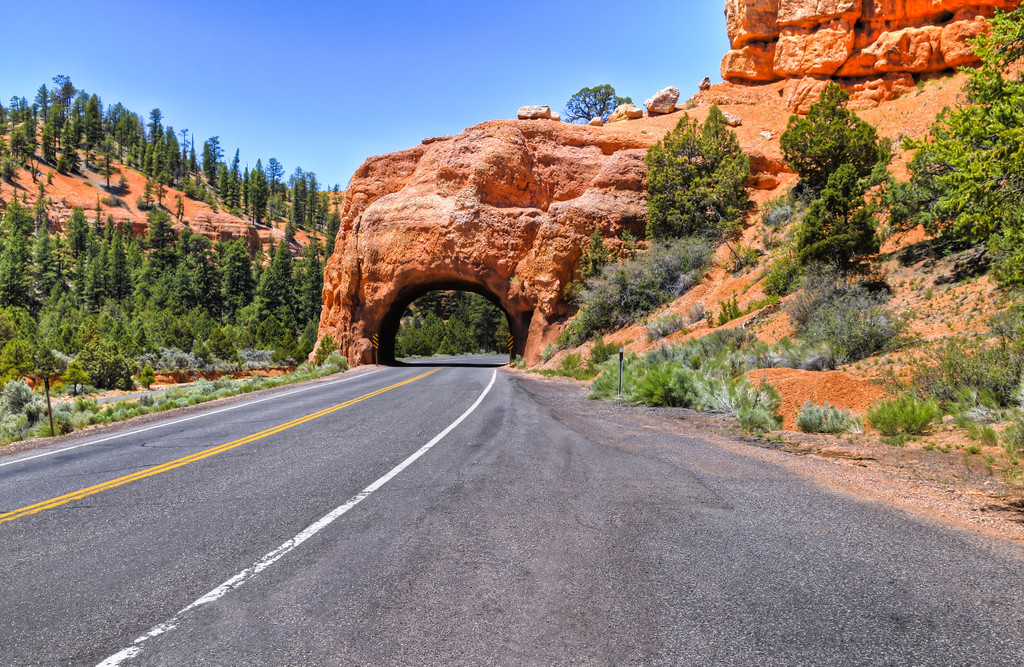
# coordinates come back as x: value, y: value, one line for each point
x: 44, y: 260
x: 78, y: 232
x: 696, y: 181
x: 839, y: 227
x: 274, y: 294
x: 333, y: 225
x: 259, y: 194
x: 309, y: 283
x: 68, y: 161
x: 92, y: 121
x: 160, y: 239
x: 212, y: 154
x: 118, y: 274
x: 831, y: 135
x: 155, y: 126
x: 236, y: 276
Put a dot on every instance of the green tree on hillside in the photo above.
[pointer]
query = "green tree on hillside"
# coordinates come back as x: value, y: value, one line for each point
x: 831, y: 135
x: 696, y: 180
x: 967, y: 175
x: 839, y: 228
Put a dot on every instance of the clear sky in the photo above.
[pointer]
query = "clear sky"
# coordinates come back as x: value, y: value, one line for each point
x: 323, y: 85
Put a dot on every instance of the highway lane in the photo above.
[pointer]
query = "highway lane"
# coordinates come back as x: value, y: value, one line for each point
x: 78, y: 579
x: 542, y: 529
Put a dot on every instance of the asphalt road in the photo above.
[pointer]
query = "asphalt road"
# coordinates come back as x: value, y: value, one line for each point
x: 534, y: 530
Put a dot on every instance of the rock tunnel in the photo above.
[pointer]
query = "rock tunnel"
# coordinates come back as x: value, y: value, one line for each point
x: 504, y: 209
x: 518, y: 319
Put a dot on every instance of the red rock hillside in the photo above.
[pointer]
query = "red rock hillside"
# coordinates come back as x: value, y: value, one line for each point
x: 877, y: 48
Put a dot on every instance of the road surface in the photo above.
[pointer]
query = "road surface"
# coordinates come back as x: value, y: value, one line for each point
x: 459, y: 514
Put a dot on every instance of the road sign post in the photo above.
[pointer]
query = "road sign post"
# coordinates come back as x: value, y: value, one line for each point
x: 511, y: 345
x: 621, y: 351
x: 376, y: 344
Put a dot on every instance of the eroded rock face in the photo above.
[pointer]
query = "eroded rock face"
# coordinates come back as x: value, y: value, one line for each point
x: 504, y: 209
x: 873, y: 47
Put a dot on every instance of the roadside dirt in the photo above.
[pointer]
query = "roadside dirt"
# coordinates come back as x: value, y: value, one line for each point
x: 948, y: 486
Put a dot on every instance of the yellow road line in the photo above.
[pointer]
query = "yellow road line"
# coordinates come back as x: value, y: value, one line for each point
x: 192, y: 458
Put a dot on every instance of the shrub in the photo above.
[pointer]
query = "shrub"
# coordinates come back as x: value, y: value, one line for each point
x: 327, y: 348
x: 696, y: 180
x: 827, y: 419
x: 844, y: 322
x: 744, y: 257
x: 572, y: 367
x: 626, y: 291
x: 664, y: 326
x: 336, y: 363
x: 729, y: 310
x: 904, y: 415
x: 16, y: 395
x: 549, y: 351
x: 974, y: 407
x: 602, y: 351
x: 1013, y: 436
x: 35, y: 410
x: 758, y: 420
x: 964, y: 364
x: 696, y: 313
x: 782, y: 276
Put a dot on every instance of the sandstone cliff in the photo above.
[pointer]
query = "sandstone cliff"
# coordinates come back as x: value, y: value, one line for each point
x: 876, y: 48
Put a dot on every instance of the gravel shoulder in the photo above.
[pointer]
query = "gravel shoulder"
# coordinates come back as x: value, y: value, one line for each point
x: 933, y: 484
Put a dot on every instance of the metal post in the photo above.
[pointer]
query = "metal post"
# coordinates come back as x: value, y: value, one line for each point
x: 621, y: 351
x: 49, y: 406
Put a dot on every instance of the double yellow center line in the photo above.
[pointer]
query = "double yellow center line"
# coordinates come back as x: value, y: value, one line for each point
x: 198, y: 456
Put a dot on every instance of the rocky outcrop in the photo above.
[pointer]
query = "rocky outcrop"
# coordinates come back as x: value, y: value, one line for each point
x: 534, y: 112
x: 663, y: 101
x: 503, y: 209
x: 876, y: 48
x: 625, y: 112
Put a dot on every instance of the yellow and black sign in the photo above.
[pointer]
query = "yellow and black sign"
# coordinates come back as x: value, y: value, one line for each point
x: 511, y: 343
x: 376, y: 343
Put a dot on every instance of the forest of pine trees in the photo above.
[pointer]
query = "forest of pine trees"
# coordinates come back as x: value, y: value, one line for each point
x: 109, y: 301
x: 450, y: 324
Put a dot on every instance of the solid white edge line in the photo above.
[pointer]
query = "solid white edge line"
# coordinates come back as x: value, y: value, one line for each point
x: 188, y: 419
x: 262, y: 564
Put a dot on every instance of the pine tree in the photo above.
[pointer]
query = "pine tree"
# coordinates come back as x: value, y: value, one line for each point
x: 236, y: 276
x: 309, y: 284
x: 831, y: 135
x: 839, y: 227
x: 212, y: 154
x: 274, y: 294
x: 118, y: 274
x: 15, y: 270
x: 259, y: 194
x: 78, y: 232
x: 696, y: 180
x: 92, y: 121
x: 160, y: 239
x: 333, y: 225
x: 47, y: 268
x: 68, y: 161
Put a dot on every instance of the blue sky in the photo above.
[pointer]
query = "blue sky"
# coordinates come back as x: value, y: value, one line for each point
x: 323, y: 85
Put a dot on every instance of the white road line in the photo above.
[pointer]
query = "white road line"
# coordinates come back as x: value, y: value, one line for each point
x: 187, y: 419
x: 262, y: 564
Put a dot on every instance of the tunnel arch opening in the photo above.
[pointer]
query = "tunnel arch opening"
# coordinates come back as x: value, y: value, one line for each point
x: 518, y: 321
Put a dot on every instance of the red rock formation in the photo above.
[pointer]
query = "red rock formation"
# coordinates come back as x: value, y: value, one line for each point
x: 875, y: 48
x: 502, y: 209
